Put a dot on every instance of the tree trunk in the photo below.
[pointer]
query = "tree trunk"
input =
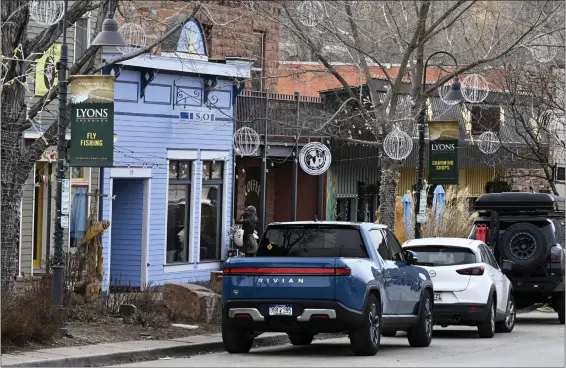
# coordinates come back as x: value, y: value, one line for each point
x: 15, y: 14
x: 12, y: 180
x: 388, y: 191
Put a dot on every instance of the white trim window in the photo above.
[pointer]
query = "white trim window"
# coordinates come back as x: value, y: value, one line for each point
x: 211, y: 216
x: 178, y: 246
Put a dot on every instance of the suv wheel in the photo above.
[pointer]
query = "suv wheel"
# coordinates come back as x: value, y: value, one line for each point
x: 236, y: 341
x: 300, y: 339
x: 420, y: 335
x: 508, y: 323
x: 487, y: 328
x: 366, y: 339
x: 524, y: 244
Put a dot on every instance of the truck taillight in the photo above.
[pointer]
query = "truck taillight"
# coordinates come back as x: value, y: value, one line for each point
x: 556, y: 253
x: 472, y: 271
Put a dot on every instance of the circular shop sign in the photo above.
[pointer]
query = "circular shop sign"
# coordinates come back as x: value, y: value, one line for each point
x: 315, y: 158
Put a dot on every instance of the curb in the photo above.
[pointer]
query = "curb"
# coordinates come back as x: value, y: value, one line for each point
x: 97, y: 360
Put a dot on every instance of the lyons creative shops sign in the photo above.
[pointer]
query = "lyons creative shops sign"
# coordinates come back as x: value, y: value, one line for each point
x: 92, y: 121
x: 443, y: 152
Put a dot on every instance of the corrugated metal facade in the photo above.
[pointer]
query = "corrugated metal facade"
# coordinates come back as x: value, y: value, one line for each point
x: 351, y: 164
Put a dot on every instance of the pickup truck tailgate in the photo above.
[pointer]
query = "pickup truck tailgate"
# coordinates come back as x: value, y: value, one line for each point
x: 280, y: 277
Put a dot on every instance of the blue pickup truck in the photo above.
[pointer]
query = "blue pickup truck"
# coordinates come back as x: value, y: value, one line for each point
x: 326, y: 277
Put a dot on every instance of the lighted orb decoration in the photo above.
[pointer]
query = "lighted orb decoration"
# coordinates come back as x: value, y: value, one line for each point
x: 310, y: 13
x: 246, y: 141
x: 544, y: 48
x: 398, y: 145
x: 46, y: 12
x: 475, y: 88
x: 443, y: 91
x: 135, y: 38
x: 488, y: 143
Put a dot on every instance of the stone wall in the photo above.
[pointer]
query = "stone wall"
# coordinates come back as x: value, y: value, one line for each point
x: 523, y: 179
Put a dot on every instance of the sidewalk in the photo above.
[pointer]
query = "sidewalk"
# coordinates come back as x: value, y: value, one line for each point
x: 110, y: 354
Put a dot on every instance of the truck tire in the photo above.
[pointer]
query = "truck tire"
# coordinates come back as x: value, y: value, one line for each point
x: 300, y: 339
x: 486, y: 329
x: 508, y: 323
x: 236, y: 341
x: 366, y: 339
x: 524, y: 244
x: 420, y: 335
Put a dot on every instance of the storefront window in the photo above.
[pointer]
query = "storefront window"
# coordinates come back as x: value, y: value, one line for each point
x: 211, y: 211
x: 178, y: 212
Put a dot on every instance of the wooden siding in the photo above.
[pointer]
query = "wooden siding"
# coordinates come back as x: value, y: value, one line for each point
x: 146, y: 132
x: 127, y: 221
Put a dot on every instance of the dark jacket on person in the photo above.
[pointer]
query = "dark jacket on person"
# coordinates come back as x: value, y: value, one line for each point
x: 249, y: 220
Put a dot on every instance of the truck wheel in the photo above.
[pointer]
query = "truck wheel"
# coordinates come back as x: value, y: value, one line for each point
x: 508, y: 323
x: 300, y: 339
x: 487, y: 328
x: 366, y: 339
x: 420, y: 335
x: 389, y: 333
x: 236, y: 341
x: 524, y: 244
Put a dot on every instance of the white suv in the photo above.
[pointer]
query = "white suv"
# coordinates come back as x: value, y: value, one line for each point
x: 470, y: 288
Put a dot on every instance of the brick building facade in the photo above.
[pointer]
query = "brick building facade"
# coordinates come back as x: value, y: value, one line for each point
x: 231, y: 28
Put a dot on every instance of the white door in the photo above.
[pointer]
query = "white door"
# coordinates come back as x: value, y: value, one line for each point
x: 497, y: 276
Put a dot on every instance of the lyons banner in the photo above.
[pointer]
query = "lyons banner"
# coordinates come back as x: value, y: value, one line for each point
x: 443, y: 152
x: 92, y: 121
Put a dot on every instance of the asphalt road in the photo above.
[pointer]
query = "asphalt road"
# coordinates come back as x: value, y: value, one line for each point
x: 536, y: 341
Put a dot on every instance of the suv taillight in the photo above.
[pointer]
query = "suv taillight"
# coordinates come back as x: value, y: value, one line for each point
x: 472, y: 271
x: 556, y: 253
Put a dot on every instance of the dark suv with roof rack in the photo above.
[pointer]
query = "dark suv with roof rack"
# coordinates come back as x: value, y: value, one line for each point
x: 526, y: 229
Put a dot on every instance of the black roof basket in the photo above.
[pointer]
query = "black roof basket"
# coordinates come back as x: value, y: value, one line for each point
x: 520, y: 202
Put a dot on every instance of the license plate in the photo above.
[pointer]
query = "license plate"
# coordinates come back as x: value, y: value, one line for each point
x: 280, y: 310
x: 437, y: 297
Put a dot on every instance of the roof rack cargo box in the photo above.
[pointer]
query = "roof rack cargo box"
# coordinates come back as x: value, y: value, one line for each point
x: 520, y: 202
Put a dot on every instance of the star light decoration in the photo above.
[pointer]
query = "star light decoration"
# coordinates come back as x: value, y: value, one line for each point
x: 398, y: 145
x: 488, y: 143
x: 310, y: 13
x: 46, y: 12
x: 246, y: 141
x: 475, y: 88
x: 135, y: 38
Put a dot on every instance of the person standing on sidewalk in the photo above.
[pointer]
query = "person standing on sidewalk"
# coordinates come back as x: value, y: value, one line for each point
x: 249, y: 220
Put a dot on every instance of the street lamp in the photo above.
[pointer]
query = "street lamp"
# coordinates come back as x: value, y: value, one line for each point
x: 455, y: 94
x: 108, y: 37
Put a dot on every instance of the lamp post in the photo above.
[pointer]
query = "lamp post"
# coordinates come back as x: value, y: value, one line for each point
x: 455, y: 94
x: 108, y: 37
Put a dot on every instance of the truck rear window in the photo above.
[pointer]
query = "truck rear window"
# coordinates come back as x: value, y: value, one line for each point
x: 435, y: 256
x: 312, y: 241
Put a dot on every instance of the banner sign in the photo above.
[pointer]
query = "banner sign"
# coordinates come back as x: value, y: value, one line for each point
x: 46, y: 70
x: 92, y: 121
x: 443, y: 152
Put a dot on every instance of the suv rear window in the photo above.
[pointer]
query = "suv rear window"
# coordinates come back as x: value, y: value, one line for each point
x: 312, y: 241
x: 435, y: 256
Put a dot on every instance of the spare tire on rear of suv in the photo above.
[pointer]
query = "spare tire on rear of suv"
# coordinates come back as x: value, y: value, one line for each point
x: 524, y: 244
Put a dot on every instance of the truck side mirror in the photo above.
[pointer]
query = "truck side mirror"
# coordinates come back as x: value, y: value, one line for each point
x: 506, y: 265
x: 411, y: 257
